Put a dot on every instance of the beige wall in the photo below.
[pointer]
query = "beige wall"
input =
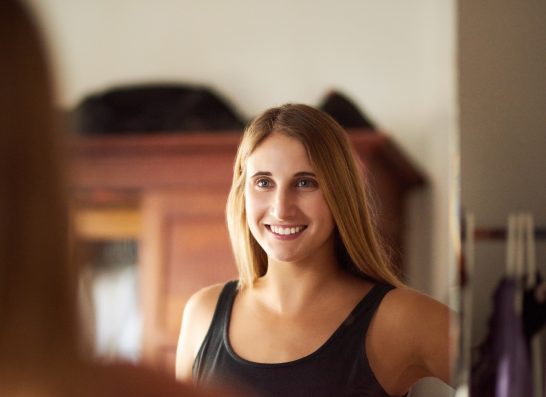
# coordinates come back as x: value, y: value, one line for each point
x: 395, y: 59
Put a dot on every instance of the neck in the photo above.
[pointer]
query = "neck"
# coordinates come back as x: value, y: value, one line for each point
x: 288, y: 287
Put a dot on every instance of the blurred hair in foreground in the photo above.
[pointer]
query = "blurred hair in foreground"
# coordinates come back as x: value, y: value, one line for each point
x: 39, y: 339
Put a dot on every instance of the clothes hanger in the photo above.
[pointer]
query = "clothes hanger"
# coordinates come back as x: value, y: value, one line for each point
x: 531, y: 282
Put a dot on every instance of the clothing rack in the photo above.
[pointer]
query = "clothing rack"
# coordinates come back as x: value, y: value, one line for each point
x: 520, y: 256
x: 499, y: 233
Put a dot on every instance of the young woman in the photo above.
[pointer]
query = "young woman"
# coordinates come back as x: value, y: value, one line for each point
x: 317, y: 310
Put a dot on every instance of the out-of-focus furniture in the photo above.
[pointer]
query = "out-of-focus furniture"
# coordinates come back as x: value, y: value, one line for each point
x: 168, y: 191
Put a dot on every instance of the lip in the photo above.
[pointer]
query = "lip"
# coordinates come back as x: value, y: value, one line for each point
x: 286, y: 236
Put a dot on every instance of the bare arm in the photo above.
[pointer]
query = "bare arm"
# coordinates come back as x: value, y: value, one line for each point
x: 433, y: 338
x: 196, y: 321
x: 409, y: 339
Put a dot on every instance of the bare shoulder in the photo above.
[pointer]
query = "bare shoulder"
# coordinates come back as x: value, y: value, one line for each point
x: 196, y: 320
x: 416, y: 328
x: 409, y: 316
x: 203, y: 302
x: 411, y: 306
x: 200, y: 307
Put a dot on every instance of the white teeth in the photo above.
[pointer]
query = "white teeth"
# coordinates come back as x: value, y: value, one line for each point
x: 285, y: 231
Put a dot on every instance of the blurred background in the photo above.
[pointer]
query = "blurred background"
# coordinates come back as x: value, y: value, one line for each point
x: 453, y: 93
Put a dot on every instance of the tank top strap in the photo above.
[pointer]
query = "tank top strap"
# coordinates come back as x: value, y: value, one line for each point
x: 222, y: 312
x: 216, y: 334
x: 362, y: 314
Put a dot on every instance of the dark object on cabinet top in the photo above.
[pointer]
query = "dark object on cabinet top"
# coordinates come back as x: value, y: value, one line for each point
x: 345, y: 112
x: 154, y: 108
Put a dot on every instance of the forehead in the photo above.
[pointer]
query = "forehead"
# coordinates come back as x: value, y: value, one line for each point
x: 279, y: 153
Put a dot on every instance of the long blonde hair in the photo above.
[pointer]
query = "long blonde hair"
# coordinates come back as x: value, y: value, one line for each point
x: 358, y: 246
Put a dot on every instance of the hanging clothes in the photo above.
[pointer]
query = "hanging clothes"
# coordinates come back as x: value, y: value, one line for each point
x: 502, y: 365
x: 534, y: 308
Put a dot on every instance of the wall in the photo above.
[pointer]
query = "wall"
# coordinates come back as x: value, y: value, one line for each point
x: 502, y: 99
x: 395, y: 59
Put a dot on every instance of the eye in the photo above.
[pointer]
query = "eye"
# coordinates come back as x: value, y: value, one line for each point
x: 263, y: 183
x: 306, y: 183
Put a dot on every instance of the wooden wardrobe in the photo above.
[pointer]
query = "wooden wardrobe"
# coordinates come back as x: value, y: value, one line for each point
x: 168, y: 192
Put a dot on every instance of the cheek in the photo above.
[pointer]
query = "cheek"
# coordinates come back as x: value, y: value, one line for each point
x: 329, y: 218
x: 325, y: 214
x: 252, y: 207
x: 254, y: 215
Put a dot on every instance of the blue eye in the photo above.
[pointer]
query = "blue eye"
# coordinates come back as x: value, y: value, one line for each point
x: 307, y: 183
x: 263, y: 183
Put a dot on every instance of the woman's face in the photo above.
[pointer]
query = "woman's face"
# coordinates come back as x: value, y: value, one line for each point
x: 285, y: 208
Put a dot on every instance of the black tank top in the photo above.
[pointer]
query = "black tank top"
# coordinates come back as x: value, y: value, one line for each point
x: 338, y: 368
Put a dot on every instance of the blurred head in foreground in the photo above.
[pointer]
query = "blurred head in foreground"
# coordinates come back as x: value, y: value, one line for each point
x: 39, y: 338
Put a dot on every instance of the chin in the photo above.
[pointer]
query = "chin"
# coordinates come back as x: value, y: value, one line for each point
x: 284, y: 257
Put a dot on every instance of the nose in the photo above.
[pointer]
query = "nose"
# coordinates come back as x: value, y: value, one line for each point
x: 283, y: 206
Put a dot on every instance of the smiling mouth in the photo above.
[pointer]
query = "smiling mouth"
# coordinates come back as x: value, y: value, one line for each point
x: 285, y: 231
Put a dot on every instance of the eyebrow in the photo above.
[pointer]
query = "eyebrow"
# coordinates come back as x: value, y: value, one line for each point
x: 305, y: 173
x: 297, y: 174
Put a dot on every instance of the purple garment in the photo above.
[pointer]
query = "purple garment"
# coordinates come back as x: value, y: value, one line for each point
x: 534, y: 311
x: 502, y: 367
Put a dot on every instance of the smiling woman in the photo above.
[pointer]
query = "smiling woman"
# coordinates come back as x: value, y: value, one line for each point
x: 284, y: 204
x: 318, y: 309
x: 325, y: 151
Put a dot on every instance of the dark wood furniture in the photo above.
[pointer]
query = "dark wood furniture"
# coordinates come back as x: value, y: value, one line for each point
x: 169, y: 193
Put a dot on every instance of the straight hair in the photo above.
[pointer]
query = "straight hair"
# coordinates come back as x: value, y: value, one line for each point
x: 358, y: 247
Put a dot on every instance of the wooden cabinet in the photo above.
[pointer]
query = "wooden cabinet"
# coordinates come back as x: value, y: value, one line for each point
x: 176, y: 186
x: 184, y: 247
